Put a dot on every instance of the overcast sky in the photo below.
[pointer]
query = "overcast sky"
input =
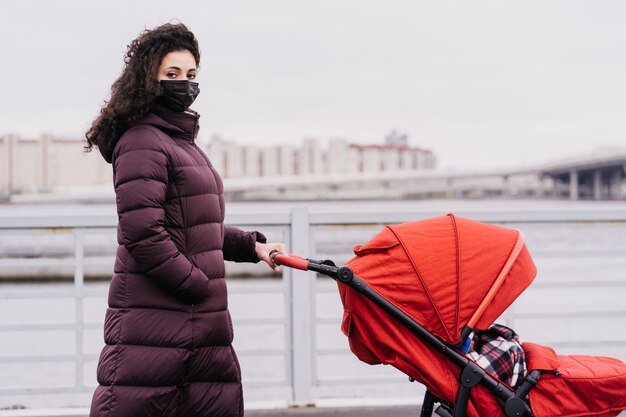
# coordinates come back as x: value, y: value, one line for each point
x: 481, y: 83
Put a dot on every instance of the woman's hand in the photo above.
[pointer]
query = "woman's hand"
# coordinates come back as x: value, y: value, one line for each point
x: 263, y: 251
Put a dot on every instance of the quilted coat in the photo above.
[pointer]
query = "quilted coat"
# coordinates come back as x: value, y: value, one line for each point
x: 168, y: 331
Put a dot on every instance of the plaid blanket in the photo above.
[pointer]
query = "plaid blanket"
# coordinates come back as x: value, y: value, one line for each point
x: 497, y: 351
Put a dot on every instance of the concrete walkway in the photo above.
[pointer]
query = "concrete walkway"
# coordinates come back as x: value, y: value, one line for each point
x: 392, y: 411
x: 403, y: 411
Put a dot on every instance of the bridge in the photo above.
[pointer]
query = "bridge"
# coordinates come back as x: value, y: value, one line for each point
x: 598, y: 176
x: 394, y: 185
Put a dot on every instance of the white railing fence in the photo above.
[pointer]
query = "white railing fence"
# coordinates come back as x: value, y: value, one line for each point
x: 287, y: 330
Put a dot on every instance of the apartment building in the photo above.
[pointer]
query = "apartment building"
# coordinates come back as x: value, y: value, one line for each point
x: 310, y: 159
x: 32, y: 165
x: 49, y: 163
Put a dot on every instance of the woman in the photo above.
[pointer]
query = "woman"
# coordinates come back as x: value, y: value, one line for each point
x: 167, y: 330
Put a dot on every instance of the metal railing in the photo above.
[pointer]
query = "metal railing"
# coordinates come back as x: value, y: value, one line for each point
x: 302, y: 320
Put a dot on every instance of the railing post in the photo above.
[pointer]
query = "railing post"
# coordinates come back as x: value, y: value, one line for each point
x: 79, y: 279
x: 301, y: 295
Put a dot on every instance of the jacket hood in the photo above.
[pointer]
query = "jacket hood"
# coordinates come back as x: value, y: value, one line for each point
x: 180, y: 125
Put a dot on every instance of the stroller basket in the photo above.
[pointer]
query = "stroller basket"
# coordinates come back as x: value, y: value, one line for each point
x: 438, y: 281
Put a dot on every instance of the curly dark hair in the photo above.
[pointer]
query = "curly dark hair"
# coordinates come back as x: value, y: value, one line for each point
x: 134, y: 92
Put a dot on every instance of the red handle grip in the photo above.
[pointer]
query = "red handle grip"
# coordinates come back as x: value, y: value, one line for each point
x: 292, y: 261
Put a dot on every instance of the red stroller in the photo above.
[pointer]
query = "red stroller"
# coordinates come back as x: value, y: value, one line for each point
x: 438, y: 281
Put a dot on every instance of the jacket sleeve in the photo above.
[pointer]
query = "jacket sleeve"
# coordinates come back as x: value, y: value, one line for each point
x: 239, y: 245
x: 140, y: 166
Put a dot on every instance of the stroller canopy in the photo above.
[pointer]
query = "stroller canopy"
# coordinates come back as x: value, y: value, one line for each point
x: 447, y: 272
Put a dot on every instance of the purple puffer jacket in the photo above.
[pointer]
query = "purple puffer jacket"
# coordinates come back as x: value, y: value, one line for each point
x: 167, y: 330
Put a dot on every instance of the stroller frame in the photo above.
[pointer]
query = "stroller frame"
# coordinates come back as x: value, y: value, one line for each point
x: 471, y: 375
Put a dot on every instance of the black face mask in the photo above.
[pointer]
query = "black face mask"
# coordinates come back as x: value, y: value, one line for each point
x: 178, y: 95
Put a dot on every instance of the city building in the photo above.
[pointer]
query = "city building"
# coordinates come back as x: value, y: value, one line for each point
x: 310, y: 159
x: 47, y: 163
x: 51, y: 164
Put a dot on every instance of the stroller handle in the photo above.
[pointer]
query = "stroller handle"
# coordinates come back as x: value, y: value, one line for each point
x: 326, y: 267
x: 292, y: 261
